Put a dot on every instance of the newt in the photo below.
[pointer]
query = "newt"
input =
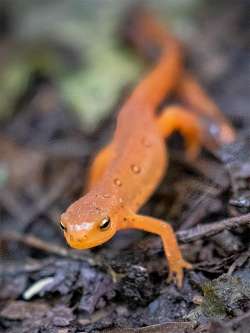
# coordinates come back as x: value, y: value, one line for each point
x: 126, y: 172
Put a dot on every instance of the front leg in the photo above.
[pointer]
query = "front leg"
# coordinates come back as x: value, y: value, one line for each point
x: 172, y: 251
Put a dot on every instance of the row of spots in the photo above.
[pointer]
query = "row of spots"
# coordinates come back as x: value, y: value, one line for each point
x: 125, y: 219
x: 135, y: 169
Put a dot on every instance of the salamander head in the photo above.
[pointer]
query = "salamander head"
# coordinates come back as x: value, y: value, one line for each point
x: 89, y: 222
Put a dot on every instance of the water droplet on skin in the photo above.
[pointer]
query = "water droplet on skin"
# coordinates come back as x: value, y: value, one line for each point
x: 135, y: 168
x: 117, y: 182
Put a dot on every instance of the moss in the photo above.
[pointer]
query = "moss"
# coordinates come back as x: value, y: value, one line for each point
x: 222, y: 297
x: 212, y: 305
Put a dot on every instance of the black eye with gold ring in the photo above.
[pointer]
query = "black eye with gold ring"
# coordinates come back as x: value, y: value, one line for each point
x: 63, y: 227
x: 105, y: 223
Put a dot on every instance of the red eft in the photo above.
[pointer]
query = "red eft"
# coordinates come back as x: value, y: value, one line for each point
x: 126, y: 172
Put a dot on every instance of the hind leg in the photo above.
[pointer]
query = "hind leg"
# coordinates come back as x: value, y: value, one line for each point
x: 178, y: 118
x: 99, y: 166
x: 194, y: 96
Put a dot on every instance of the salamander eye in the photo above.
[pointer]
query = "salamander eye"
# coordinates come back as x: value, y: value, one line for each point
x: 105, y: 223
x: 63, y: 227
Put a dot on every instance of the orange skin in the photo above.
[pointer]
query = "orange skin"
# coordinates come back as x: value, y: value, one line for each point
x: 127, y: 171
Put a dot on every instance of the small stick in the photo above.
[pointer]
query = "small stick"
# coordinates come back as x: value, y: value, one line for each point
x: 184, y: 236
x: 167, y: 327
x: 51, y: 196
x: 42, y: 245
x: 210, y: 229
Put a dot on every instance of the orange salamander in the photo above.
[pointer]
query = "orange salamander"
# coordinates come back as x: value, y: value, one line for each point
x: 126, y: 172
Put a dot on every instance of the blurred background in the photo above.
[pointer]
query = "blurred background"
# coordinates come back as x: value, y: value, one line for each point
x: 76, y: 45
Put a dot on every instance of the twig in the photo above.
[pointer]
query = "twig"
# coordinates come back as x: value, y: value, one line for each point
x: 47, y: 200
x: 184, y: 236
x: 39, y: 244
x: 11, y: 203
x: 169, y: 327
x: 212, y: 228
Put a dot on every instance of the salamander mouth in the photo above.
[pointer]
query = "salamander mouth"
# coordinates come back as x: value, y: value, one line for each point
x: 84, y: 244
